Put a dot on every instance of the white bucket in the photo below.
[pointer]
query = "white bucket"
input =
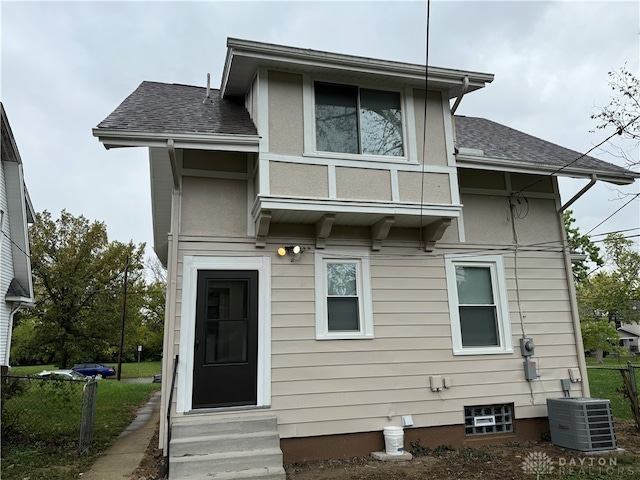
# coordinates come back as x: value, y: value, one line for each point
x: 394, y: 440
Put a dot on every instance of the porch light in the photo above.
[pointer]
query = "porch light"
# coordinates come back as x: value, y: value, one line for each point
x: 289, y: 250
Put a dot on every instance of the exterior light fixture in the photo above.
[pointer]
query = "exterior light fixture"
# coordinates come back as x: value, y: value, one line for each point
x: 289, y: 250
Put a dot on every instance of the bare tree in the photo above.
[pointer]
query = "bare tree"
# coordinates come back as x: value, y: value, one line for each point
x: 622, y: 114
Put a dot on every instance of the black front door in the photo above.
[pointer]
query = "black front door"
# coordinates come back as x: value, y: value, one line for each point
x: 225, y: 367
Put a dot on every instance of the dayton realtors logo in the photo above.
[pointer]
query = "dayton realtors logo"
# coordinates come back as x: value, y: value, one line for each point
x: 539, y: 463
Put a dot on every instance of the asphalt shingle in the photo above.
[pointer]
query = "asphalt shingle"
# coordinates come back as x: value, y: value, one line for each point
x: 500, y: 141
x: 171, y: 108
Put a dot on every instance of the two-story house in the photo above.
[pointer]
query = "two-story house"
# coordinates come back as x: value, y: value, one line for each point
x: 16, y: 212
x: 343, y: 252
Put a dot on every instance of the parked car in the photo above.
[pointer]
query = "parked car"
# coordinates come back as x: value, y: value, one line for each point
x: 62, y: 375
x: 93, y: 369
x: 157, y: 378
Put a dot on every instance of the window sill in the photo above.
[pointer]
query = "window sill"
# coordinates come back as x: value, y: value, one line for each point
x: 483, y: 351
x: 359, y: 157
x: 342, y: 336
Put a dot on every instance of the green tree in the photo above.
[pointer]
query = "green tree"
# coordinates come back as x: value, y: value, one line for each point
x: 582, y: 245
x: 609, y: 295
x: 78, y: 284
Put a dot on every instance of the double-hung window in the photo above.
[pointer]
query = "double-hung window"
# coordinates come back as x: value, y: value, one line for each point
x: 478, y: 305
x: 343, y: 297
x: 355, y: 120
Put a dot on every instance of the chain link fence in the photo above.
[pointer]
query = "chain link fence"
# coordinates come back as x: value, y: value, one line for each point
x: 55, y: 413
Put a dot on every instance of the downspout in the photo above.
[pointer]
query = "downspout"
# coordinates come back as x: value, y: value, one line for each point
x: 577, y: 331
x: 465, y: 88
x: 594, y: 179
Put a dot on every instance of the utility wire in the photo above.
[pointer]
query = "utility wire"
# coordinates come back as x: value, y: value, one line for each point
x: 424, y: 129
x: 603, y: 221
x: 15, y: 244
x: 617, y: 132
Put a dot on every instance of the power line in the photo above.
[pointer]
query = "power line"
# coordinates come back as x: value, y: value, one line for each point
x: 603, y: 221
x: 617, y: 132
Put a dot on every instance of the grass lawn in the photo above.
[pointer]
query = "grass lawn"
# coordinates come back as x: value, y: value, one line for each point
x: 40, y: 426
x: 129, y: 370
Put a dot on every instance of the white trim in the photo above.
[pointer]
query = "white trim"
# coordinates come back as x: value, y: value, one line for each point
x: 363, y: 279
x: 449, y: 140
x: 496, y: 266
x: 322, y: 159
x: 479, y: 162
x: 191, y: 265
x: 332, y: 182
x: 395, y: 185
x: 308, y: 113
x: 251, y: 226
x: 409, y: 114
x: 203, y: 141
x: 269, y: 203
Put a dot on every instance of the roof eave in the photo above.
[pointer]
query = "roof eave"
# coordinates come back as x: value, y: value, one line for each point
x: 490, y: 163
x: 445, y: 79
x: 113, y: 138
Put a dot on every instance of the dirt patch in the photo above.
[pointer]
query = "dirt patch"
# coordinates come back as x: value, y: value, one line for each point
x: 153, y: 465
x: 503, y: 462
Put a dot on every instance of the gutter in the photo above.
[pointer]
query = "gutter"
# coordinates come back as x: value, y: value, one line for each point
x: 465, y: 88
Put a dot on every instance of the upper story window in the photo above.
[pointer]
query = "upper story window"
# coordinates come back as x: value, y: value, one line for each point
x: 356, y: 120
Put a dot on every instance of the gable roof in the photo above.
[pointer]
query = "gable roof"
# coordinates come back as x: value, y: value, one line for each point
x: 482, y: 143
x: 161, y: 110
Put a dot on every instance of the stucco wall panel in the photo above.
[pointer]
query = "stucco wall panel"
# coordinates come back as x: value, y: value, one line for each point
x: 361, y: 184
x: 435, y: 187
x: 212, y: 206
x: 487, y: 219
x: 285, y: 113
x: 298, y: 180
x: 436, y: 153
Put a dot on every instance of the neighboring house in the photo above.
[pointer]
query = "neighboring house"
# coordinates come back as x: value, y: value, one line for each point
x: 335, y: 263
x: 16, y: 212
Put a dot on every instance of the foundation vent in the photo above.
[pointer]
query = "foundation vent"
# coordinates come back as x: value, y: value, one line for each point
x: 488, y: 419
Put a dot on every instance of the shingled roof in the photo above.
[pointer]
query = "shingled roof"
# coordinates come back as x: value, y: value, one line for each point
x: 501, y: 142
x: 165, y: 108
x: 171, y: 108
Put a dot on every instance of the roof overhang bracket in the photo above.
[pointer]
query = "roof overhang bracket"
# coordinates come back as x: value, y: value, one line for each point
x: 262, y: 229
x: 592, y: 182
x: 380, y: 231
x: 434, y: 232
x: 323, y: 229
x: 171, y: 147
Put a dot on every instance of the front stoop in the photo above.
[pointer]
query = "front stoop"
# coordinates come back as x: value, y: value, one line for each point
x: 226, y: 449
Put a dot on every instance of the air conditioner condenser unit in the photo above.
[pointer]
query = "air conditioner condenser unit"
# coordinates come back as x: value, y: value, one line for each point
x: 583, y: 424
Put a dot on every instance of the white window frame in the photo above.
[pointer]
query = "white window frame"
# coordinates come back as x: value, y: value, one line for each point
x: 309, y: 100
x: 365, y: 308
x: 498, y: 283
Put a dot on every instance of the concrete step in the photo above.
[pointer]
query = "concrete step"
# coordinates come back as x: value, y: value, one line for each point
x: 267, y: 473
x: 229, y: 442
x: 195, y: 426
x: 226, y: 462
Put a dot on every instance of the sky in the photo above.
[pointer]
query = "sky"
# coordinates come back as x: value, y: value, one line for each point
x: 66, y: 65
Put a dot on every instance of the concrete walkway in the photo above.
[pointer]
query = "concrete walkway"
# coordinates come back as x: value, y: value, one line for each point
x: 124, y: 456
